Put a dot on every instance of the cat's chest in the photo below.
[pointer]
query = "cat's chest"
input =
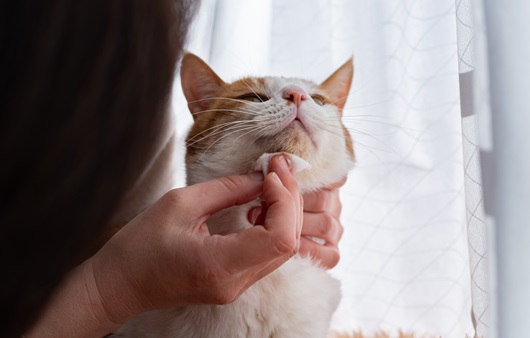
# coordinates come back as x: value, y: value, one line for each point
x: 296, y: 300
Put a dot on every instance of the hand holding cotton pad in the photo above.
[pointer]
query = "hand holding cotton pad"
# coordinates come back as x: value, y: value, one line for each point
x: 298, y: 163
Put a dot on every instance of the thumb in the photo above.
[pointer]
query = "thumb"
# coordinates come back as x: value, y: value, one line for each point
x: 209, y: 197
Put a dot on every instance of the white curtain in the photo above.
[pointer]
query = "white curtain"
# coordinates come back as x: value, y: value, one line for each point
x: 415, y: 248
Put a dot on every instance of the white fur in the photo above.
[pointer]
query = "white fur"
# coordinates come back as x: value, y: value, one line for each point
x: 298, y: 299
x: 295, y: 301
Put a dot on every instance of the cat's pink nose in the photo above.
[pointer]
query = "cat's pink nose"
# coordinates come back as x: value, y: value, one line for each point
x: 294, y: 94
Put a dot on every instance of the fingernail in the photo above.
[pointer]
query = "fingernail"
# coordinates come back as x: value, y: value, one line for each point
x: 256, y: 175
x: 287, y: 161
x: 275, y: 176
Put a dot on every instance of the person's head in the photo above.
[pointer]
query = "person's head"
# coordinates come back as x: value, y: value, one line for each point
x: 84, y: 87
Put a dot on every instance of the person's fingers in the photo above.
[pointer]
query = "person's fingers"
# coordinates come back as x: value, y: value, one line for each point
x: 203, y: 199
x: 255, y: 252
x: 283, y: 209
x: 326, y: 255
x: 323, y: 201
x: 324, y: 226
x: 281, y: 165
x: 273, y: 240
x: 337, y: 184
x: 301, y: 221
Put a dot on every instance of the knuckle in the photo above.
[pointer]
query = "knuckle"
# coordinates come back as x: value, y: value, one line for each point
x: 322, y: 201
x: 327, y: 224
x: 223, y: 296
x: 338, y: 206
x: 284, y: 247
x: 341, y: 230
x: 333, y: 258
x: 174, y: 197
x: 229, y: 182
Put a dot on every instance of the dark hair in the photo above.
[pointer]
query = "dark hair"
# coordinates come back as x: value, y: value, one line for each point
x: 84, y: 86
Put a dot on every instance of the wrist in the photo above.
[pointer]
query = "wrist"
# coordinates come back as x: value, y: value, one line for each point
x: 75, y: 309
x: 111, y: 291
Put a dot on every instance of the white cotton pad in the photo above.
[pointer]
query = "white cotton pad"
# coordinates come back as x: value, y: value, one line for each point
x: 298, y: 163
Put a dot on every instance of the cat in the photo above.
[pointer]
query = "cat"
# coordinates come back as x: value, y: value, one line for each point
x: 234, y: 124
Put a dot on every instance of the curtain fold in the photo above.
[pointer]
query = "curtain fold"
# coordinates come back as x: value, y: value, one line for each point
x: 469, y: 105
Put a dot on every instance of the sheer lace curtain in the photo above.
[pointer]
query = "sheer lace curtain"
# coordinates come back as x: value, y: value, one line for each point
x: 415, y: 249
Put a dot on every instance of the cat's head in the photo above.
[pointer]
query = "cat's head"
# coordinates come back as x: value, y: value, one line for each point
x: 235, y: 123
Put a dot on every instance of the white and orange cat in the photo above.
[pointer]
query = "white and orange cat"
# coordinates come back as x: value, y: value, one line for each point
x: 234, y: 124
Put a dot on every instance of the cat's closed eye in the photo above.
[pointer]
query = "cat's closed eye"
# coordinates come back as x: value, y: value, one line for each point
x: 318, y: 100
x: 253, y: 97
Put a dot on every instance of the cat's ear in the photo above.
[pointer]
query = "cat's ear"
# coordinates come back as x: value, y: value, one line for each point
x: 337, y: 86
x: 199, y: 83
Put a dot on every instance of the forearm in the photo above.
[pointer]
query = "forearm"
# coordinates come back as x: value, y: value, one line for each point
x: 76, y: 309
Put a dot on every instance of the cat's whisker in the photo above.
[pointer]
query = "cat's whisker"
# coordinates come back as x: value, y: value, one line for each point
x: 366, y: 105
x: 208, y: 146
x: 368, y: 115
x: 224, y: 136
x: 249, y: 112
x: 218, y: 126
x: 338, y: 100
x: 363, y: 120
x: 360, y: 87
x: 224, y: 127
x: 215, y: 98
x: 369, y: 149
x: 220, y: 131
x: 217, y: 130
x: 249, y: 87
x: 256, y: 129
x: 355, y: 131
x: 367, y: 118
x: 392, y: 150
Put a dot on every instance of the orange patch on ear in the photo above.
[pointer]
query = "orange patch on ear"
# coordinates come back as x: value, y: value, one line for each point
x: 200, y: 83
x: 349, y: 143
x: 337, y: 86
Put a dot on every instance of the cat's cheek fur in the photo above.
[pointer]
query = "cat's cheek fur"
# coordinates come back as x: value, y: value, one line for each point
x: 328, y: 165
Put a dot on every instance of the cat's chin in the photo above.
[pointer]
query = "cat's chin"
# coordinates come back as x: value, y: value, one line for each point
x: 296, y: 123
x: 294, y: 140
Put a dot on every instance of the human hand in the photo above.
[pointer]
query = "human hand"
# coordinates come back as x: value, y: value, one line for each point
x: 321, y: 229
x: 322, y: 221
x: 167, y: 257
